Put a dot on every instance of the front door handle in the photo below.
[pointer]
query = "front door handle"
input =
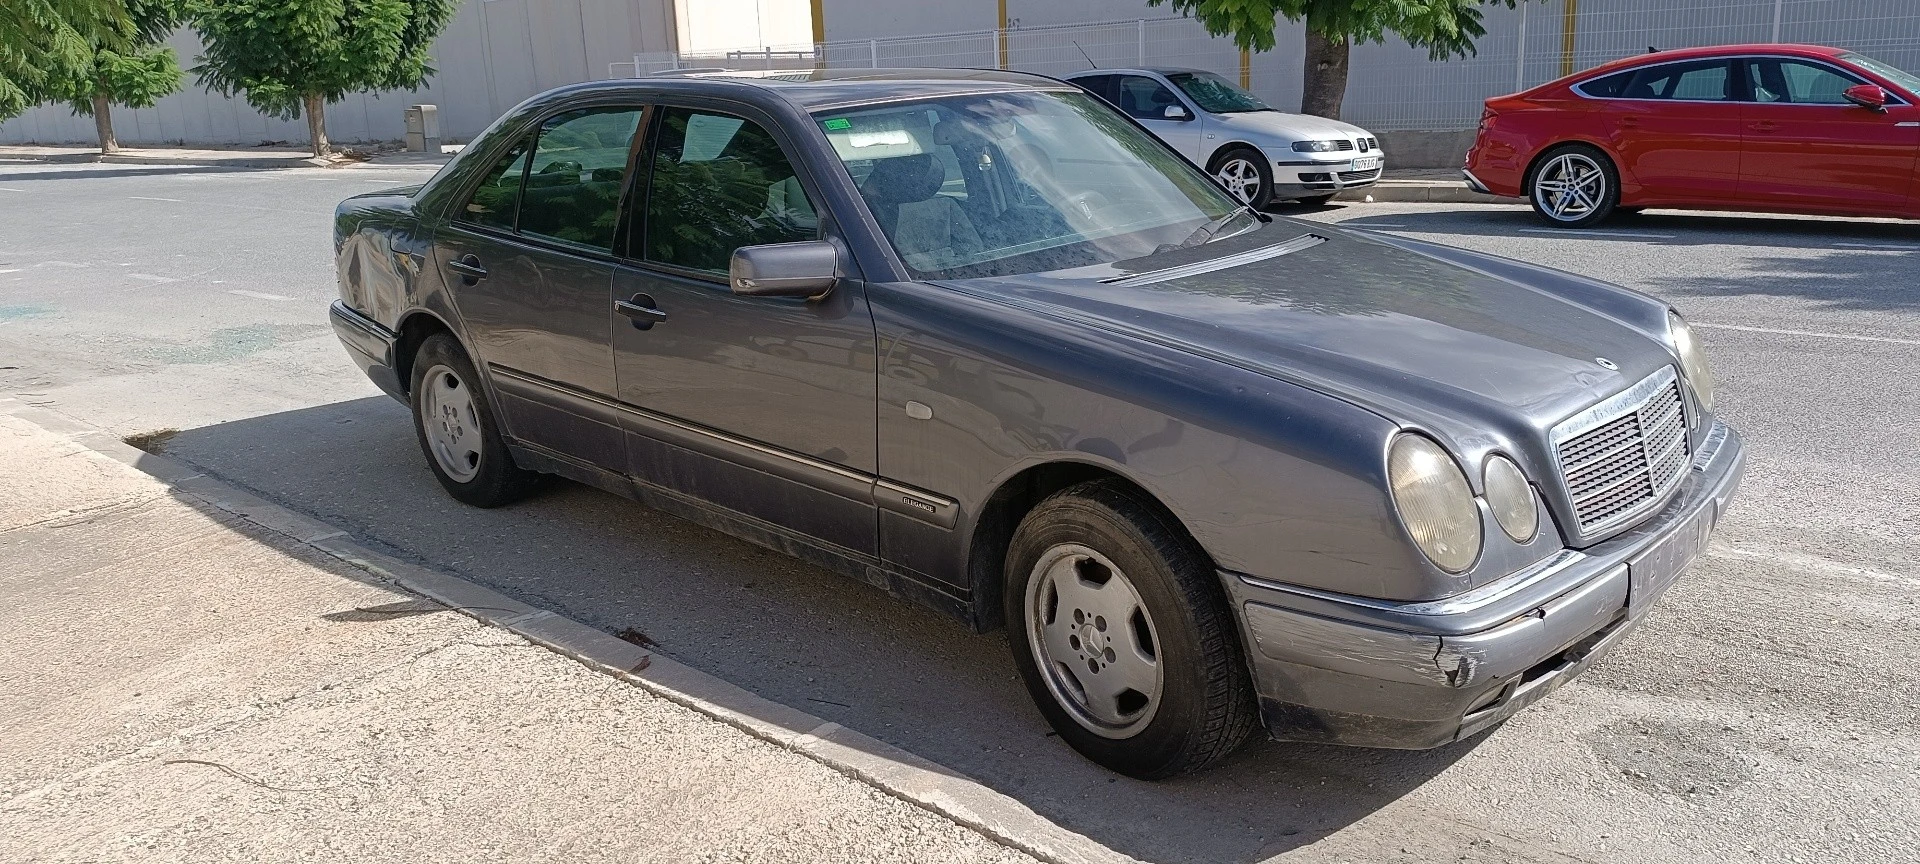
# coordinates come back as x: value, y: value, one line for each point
x: 1766, y: 126
x: 469, y: 268
x: 641, y: 310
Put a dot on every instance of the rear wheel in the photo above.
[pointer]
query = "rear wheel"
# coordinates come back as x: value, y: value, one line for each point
x: 1123, y: 636
x: 1245, y: 174
x: 456, y: 428
x: 1574, y: 186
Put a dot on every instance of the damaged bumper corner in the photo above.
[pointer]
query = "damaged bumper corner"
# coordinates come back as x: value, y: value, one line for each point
x: 1348, y: 670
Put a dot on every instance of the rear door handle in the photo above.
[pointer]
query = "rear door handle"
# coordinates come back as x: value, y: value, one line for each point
x: 641, y: 310
x: 469, y: 268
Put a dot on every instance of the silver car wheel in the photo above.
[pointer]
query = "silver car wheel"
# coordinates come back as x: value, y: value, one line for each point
x: 1570, y: 187
x: 452, y: 425
x: 1241, y: 177
x: 1094, y: 641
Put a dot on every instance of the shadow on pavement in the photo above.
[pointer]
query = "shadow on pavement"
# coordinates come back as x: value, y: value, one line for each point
x: 792, y: 633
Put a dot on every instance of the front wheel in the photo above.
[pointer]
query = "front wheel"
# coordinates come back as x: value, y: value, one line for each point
x: 1123, y: 634
x: 1574, y: 186
x: 1244, y: 173
x: 456, y: 428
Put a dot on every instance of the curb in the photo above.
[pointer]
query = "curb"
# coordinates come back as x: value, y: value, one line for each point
x: 1430, y: 192
x: 882, y: 766
x: 289, y: 161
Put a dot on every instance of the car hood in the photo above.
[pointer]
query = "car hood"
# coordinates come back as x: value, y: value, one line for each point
x: 1373, y: 320
x: 1289, y: 127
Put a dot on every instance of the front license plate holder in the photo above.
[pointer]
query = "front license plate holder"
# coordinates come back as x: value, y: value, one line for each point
x: 1366, y: 163
x: 1652, y: 572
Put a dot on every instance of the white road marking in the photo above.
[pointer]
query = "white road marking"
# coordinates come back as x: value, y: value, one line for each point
x: 258, y: 295
x: 1565, y: 232
x: 1807, y: 562
x: 63, y: 264
x: 1904, y: 247
x: 149, y: 277
x: 10, y: 189
x: 10, y: 270
x: 145, y: 198
x: 1891, y: 340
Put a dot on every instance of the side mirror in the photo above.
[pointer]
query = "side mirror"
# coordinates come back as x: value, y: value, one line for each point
x: 804, y: 269
x: 1175, y: 112
x: 1868, y: 96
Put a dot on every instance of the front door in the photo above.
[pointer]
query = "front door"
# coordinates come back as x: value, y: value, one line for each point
x: 529, y: 258
x: 1146, y: 100
x: 762, y: 405
x: 1676, y: 129
x: 1806, y: 145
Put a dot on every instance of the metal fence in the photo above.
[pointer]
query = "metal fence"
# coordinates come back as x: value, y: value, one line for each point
x: 1391, y: 86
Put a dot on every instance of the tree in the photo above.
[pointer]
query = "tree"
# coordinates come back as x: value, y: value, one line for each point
x: 45, y: 45
x: 289, y: 57
x: 1446, y: 28
x: 128, y: 66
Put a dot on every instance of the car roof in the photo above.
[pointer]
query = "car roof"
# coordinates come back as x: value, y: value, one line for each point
x: 1136, y: 70
x: 1709, y: 52
x: 810, y: 89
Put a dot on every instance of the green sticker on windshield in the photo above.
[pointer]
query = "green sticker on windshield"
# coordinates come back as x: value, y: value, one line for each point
x: 838, y: 124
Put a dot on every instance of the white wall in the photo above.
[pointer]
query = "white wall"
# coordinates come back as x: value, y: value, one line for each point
x: 722, y: 25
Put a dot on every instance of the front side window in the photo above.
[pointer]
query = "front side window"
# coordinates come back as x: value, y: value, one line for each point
x: 1013, y: 183
x: 1796, y: 82
x: 1145, y: 98
x: 1703, y: 81
x: 572, y: 193
x: 1213, y: 94
x: 719, y: 183
x: 497, y: 199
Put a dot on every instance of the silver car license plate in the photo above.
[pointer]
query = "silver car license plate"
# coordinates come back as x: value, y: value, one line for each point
x: 1366, y: 163
x: 1655, y: 570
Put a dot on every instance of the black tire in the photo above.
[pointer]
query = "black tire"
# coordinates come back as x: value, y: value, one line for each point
x: 1314, y: 200
x: 494, y: 478
x: 1261, y: 171
x: 1204, y: 709
x: 1574, y: 165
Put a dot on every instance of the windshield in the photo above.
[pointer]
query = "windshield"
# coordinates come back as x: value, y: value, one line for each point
x: 1214, y: 95
x: 1903, y: 78
x: 1011, y: 183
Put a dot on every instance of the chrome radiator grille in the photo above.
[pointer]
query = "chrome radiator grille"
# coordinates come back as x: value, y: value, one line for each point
x: 1622, y: 456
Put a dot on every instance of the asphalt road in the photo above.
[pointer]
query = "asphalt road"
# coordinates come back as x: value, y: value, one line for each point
x: 1765, y: 713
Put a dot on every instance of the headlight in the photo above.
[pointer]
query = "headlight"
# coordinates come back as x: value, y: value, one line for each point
x: 1315, y: 146
x: 1434, y: 502
x: 1693, y: 359
x: 1510, y: 497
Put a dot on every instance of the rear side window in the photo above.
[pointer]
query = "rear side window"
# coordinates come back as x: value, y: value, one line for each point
x: 1700, y: 81
x: 572, y: 192
x: 719, y: 183
x: 494, y: 203
x: 1098, y: 85
x: 1607, y: 87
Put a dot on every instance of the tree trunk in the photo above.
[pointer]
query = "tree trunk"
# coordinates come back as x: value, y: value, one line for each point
x: 1325, y: 78
x: 317, y: 125
x: 103, y: 123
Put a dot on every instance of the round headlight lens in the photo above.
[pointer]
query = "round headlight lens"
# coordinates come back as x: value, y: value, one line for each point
x: 1693, y: 359
x: 1510, y: 497
x: 1434, y: 501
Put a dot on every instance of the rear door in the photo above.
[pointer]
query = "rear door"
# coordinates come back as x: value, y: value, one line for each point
x: 1676, y: 128
x: 1146, y: 100
x: 1806, y: 145
x: 529, y: 257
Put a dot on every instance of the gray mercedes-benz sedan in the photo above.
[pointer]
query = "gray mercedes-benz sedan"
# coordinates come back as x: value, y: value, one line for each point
x: 980, y: 340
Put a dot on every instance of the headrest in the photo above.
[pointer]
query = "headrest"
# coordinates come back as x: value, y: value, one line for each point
x: 905, y: 178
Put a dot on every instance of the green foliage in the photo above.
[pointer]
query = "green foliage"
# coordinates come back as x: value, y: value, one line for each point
x: 276, y: 53
x: 130, y: 67
x: 1446, y: 28
x: 47, y: 45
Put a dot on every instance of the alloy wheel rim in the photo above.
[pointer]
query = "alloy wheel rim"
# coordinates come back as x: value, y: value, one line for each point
x: 451, y: 423
x: 1094, y: 641
x: 1570, y: 187
x: 1241, y: 178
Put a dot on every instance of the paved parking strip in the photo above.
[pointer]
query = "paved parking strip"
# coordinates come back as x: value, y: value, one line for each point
x: 1764, y: 714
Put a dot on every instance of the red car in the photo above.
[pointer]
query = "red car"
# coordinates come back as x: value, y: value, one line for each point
x: 1785, y: 128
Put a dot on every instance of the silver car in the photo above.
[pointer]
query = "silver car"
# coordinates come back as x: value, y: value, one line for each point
x: 1260, y: 154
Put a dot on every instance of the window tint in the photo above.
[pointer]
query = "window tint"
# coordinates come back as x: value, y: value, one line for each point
x: 494, y: 202
x: 1609, y: 87
x: 720, y: 183
x: 1098, y: 85
x: 572, y: 194
x: 1703, y: 81
x: 1797, y: 82
x: 1145, y: 98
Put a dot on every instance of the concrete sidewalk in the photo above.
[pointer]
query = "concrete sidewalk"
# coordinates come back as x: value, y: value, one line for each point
x: 178, y: 683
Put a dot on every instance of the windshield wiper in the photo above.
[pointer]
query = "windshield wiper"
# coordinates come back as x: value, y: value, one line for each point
x: 1204, y: 233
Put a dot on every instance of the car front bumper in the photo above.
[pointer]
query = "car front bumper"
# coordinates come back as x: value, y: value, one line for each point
x: 370, y: 345
x: 1295, y: 178
x: 1347, y: 670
